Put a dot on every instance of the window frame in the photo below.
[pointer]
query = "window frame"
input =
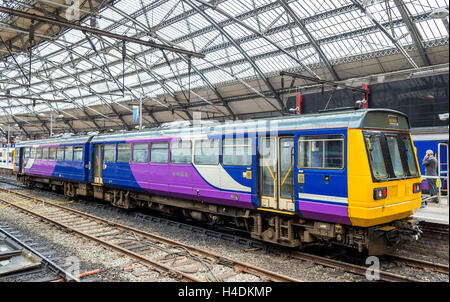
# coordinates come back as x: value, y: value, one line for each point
x: 82, y: 152
x: 26, y: 152
x: 218, y: 149
x: 397, y: 142
x: 131, y: 153
x: 148, y: 153
x: 311, y: 138
x: 249, y: 145
x: 115, y: 152
x: 49, y: 152
x: 65, y: 152
x: 168, y: 152
x: 413, y: 152
x: 387, y: 156
x: 33, y: 152
x: 39, y: 153
x: 171, y: 151
x: 43, y: 152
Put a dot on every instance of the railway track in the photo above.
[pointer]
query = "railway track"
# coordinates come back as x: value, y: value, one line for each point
x: 179, y: 261
x: 436, y: 267
x: 438, y: 231
x: 349, y: 267
x: 22, y: 260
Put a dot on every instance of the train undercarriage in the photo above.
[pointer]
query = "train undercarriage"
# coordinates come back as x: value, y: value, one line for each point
x: 279, y: 229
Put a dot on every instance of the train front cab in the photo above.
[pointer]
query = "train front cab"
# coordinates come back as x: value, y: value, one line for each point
x: 383, y: 175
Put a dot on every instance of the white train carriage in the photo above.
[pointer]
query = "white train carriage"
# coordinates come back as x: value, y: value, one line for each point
x: 6, y: 158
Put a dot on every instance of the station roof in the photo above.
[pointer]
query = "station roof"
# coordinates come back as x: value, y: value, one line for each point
x: 79, y: 78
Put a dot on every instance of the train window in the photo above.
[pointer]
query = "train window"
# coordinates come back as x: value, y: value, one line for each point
x: 33, y: 153
x: 124, y: 153
x: 321, y: 152
x: 395, y: 155
x: 60, y: 153
x: 110, y: 153
x: 69, y: 153
x: 45, y: 153
x: 206, y: 152
x: 140, y: 153
x: 376, y: 157
x: 52, y: 153
x: 27, y: 153
x: 334, y: 153
x: 316, y: 153
x: 159, y: 152
x: 237, y: 152
x: 303, y: 154
x: 181, y: 152
x: 413, y: 171
x: 39, y: 153
x: 78, y: 153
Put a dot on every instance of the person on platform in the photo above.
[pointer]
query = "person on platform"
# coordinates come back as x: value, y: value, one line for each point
x: 430, y: 163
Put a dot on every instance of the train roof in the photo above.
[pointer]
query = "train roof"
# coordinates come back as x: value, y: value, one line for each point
x: 348, y: 118
x: 57, y: 140
x: 438, y: 133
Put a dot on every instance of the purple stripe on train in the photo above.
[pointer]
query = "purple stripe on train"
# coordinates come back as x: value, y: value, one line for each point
x: 40, y: 167
x: 183, y: 181
x: 324, y: 212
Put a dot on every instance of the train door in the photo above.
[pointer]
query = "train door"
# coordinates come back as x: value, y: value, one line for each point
x: 276, y: 172
x: 97, y: 168
x: 21, y: 160
x: 443, y: 167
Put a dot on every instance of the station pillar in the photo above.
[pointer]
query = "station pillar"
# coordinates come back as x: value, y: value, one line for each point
x: 299, y: 101
x: 366, y: 96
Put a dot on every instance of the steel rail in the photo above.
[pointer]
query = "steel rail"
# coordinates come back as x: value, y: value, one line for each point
x: 348, y: 267
x: 437, y: 267
x: 442, y: 229
x: 60, y: 272
x: 145, y: 260
x: 241, y: 266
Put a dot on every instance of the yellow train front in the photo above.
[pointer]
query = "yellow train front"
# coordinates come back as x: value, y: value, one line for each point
x: 356, y: 182
x: 384, y: 183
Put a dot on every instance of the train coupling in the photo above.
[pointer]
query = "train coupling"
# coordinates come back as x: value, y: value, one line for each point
x: 409, y: 229
x: 382, y: 238
x: 401, y: 231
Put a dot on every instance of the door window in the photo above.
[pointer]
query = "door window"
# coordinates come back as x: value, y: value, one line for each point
x: 286, y: 163
x: 321, y: 152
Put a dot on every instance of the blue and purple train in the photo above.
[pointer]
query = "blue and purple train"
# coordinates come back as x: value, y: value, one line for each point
x: 350, y: 176
x: 436, y: 139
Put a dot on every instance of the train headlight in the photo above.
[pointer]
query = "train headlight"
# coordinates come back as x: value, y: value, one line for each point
x: 379, y: 193
x: 417, y: 187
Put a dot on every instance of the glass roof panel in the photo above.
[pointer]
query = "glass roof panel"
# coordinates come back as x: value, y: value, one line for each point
x: 69, y: 66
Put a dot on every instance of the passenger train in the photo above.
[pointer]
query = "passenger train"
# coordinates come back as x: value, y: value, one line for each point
x: 436, y: 139
x: 349, y: 177
x: 5, y: 158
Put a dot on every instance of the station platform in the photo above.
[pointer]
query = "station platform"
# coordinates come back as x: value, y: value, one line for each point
x: 435, y: 213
